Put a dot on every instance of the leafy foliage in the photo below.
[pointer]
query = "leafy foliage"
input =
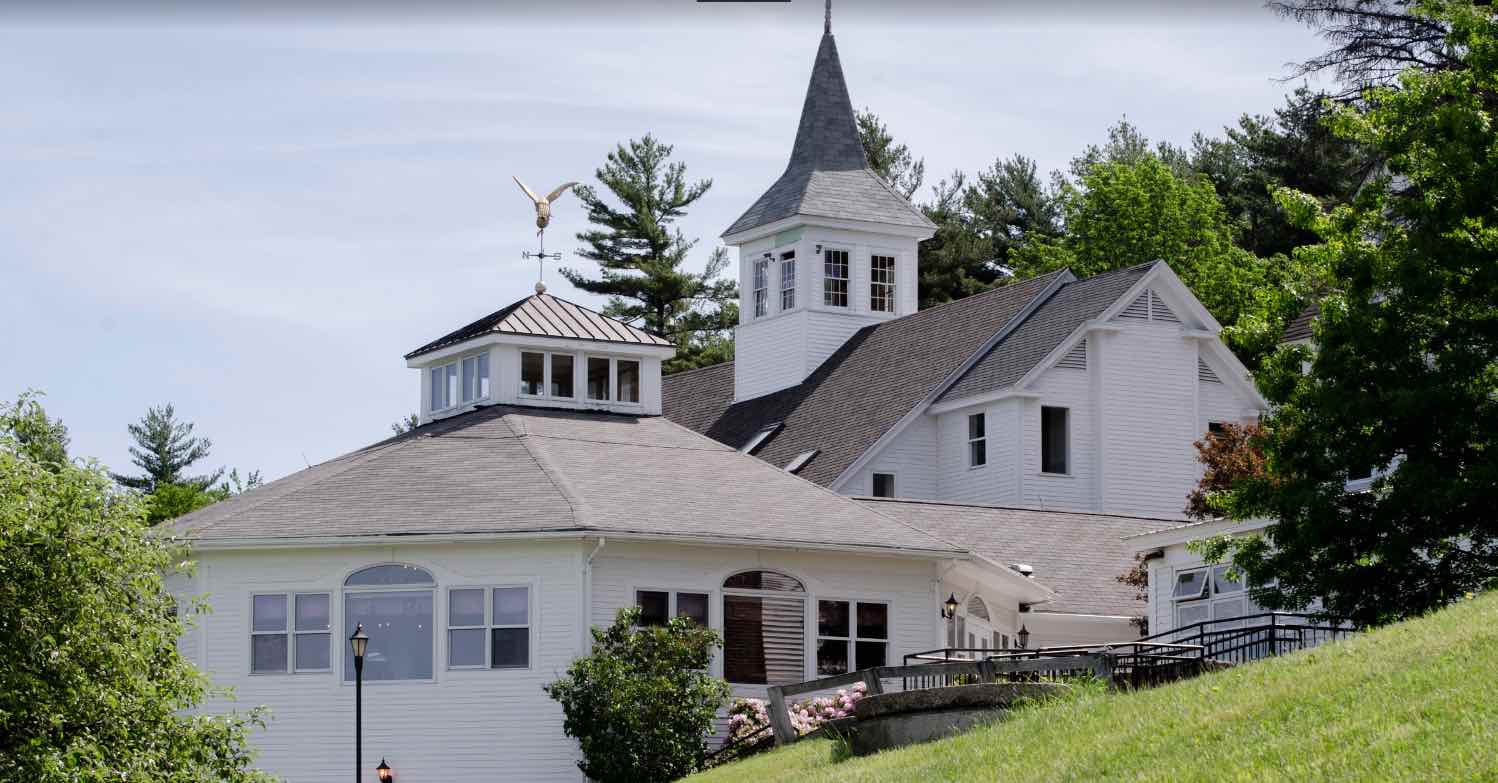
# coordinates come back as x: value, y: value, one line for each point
x: 165, y: 448
x: 641, y: 702
x: 91, y: 685
x: 891, y: 161
x: 641, y: 254
x: 410, y: 422
x: 41, y: 439
x: 1404, y: 377
x: 1228, y: 456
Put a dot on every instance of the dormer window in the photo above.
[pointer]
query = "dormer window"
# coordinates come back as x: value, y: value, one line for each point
x: 835, y: 278
x: 882, y: 284
x: 788, y: 280
x: 761, y: 288
x: 461, y: 382
x: 546, y: 375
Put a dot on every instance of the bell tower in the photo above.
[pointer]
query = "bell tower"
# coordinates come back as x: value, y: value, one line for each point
x: 827, y: 250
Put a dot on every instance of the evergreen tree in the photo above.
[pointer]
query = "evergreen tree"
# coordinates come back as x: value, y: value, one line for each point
x: 641, y: 254
x: 957, y: 261
x: 1404, y: 376
x: 1011, y: 205
x: 411, y: 422
x: 165, y: 448
x: 893, y: 162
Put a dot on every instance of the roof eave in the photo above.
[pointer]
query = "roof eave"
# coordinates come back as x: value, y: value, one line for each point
x: 746, y: 235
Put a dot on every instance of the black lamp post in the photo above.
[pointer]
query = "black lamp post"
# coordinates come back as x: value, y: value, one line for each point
x: 384, y: 773
x: 359, y: 641
x: 1023, y: 637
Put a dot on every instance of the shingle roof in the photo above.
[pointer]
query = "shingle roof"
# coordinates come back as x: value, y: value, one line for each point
x: 880, y: 374
x: 1078, y: 555
x: 511, y: 469
x: 1075, y: 304
x: 1299, y: 327
x: 827, y: 175
x: 544, y: 315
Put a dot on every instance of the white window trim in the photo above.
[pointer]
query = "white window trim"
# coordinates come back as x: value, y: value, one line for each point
x: 457, y: 362
x: 760, y: 278
x: 489, y: 625
x: 290, y: 632
x: 1068, y: 473
x: 671, y: 607
x: 874, y: 285
x: 808, y: 620
x: 848, y: 298
x: 889, y: 630
x: 434, y: 589
x: 970, y: 440
x: 788, y: 261
x: 894, y: 481
x: 1209, y: 598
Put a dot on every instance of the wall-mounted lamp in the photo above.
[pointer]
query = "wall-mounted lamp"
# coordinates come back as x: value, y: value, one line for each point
x: 768, y: 256
x: 1023, y: 637
x: 819, y: 250
x: 949, y: 607
x: 383, y: 771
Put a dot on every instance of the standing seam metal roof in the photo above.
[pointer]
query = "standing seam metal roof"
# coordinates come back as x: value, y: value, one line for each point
x: 544, y: 315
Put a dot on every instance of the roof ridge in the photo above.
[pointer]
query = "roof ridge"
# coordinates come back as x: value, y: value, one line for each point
x: 575, y: 505
x: 993, y: 507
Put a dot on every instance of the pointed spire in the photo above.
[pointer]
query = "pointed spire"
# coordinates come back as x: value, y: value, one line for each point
x: 827, y: 139
x: 827, y: 23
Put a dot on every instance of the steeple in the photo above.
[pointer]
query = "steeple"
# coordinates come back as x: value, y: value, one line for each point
x: 828, y: 175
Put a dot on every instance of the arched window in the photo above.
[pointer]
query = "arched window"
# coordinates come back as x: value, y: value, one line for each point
x: 394, y: 603
x: 764, y: 628
x: 976, y: 608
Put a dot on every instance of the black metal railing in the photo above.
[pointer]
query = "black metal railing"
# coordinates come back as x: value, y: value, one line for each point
x: 1129, y: 663
x: 1255, y: 636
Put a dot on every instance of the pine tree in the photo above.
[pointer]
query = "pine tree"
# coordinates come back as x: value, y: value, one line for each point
x: 893, y: 162
x: 641, y: 254
x: 165, y: 448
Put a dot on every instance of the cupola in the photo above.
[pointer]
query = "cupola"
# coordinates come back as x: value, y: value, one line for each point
x: 542, y: 351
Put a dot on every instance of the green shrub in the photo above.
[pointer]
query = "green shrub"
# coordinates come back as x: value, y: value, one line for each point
x: 641, y: 704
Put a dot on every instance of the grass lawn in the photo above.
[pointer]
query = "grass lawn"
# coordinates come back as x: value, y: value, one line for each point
x: 1414, y: 701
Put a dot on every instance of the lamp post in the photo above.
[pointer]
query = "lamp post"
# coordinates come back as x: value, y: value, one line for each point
x: 359, y: 641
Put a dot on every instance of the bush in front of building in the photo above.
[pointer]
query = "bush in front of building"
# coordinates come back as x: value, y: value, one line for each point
x: 640, y: 704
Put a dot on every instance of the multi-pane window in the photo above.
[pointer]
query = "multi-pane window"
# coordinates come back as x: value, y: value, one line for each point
x: 1054, y: 446
x: 1208, y: 594
x: 977, y: 440
x: 611, y: 380
x: 851, y: 635
x: 788, y: 280
x: 761, y: 288
x: 290, y: 632
x: 884, y: 485
x: 882, y: 284
x: 764, y: 634
x: 835, y: 278
x: 394, y: 604
x: 547, y: 374
x: 627, y: 387
x: 488, y: 628
x: 658, y: 606
x: 460, y: 382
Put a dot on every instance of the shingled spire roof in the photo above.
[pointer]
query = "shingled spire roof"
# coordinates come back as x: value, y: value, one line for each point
x: 828, y: 175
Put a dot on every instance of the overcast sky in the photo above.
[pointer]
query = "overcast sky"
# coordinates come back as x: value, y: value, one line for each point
x: 253, y: 215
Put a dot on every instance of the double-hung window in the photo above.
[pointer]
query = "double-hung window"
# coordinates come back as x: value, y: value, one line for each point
x: 290, y: 632
x: 761, y: 288
x: 851, y: 635
x: 546, y: 375
x: 488, y: 628
x: 977, y: 440
x: 1054, y: 440
x: 658, y: 606
x: 460, y: 382
x: 835, y: 278
x: 788, y: 280
x: 882, y: 284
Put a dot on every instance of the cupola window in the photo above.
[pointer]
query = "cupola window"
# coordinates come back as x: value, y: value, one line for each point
x: 835, y: 278
x: 788, y: 280
x: 460, y: 382
x: 761, y: 288
x: 882, y: 284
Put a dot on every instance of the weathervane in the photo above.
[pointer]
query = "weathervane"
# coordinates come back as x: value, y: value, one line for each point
x: 543, y: 218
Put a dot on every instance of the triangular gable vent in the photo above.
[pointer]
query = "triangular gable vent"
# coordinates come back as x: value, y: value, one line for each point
x: 1205, y: 373
x: 1149, y: 307
x: 1076, y: 358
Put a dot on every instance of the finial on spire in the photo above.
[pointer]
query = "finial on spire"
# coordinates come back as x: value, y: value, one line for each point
x: 827, y: 21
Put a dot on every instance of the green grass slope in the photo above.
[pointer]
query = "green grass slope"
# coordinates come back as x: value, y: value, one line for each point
x: 1414, y: 701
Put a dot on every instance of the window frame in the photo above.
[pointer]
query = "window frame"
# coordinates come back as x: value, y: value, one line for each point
x: 805, y: 596
x: 289, y: 631
x: 882, y: 290
x: 894, y: 484
x: 978, y: 441
x: 760, y: 280
x: 846, y: 279
x: 433, y: 590
x: 1210, y: 597
x: 579, y: 390
x: 673, y: 608
x: 853, y: 638
x: 1065, y: 445
x: 456, y: 363
x: 787, y: 287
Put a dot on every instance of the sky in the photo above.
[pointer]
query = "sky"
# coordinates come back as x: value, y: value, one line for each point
x: 252, y: 213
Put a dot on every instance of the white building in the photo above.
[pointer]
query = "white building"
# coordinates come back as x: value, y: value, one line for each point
x: 1039, y: 424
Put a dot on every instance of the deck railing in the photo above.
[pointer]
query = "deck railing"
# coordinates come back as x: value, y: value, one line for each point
x: 1255, y: 636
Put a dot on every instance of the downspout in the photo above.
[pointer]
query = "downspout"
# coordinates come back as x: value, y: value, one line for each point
x: 584, y: 643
